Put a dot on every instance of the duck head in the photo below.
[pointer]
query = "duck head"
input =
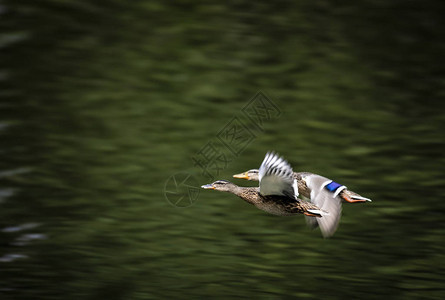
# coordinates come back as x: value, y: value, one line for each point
x: 220, y: 185
x: 253, y: 174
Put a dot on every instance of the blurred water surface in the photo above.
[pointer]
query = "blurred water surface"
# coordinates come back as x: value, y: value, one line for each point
x: 103, y: 101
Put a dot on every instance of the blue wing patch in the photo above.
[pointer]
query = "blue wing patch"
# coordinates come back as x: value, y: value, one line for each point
x: 333, y: 186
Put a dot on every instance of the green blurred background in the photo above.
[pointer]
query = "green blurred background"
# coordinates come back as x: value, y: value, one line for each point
x: 102, y: 101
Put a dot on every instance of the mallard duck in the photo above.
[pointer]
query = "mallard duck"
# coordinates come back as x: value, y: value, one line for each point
x: 311, y: 185
x: 277, y: 194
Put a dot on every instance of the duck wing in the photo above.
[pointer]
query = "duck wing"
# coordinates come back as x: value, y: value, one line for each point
x: 276, y: 177
x: 326, y: 201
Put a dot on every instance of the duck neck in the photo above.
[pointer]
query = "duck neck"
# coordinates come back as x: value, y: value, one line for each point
x: 237, y: 190
x: 249, y: 194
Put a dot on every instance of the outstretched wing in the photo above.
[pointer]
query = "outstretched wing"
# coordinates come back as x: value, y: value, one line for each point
x: 276, y: 177
x: 326, y: 201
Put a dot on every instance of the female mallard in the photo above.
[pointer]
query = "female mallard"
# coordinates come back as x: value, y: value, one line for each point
x: 277, y: 194
x: 312, y: 185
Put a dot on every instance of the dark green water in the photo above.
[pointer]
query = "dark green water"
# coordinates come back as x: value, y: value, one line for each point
x: 103, y: 101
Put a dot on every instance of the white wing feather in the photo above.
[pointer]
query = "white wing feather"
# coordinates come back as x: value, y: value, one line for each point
x: 276, y: 177
x: 326, y: 201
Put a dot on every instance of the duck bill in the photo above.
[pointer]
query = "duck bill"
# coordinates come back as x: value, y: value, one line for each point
x: 208, y: 186
x: 241, y: 176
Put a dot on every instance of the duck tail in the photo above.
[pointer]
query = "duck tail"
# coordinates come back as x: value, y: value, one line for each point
x: 317, y: 213
x: 352, y: 197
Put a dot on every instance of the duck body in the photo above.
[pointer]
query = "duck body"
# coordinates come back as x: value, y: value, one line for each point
x: 306, y: 180
x: 313, y: 183
x: 276, y: 204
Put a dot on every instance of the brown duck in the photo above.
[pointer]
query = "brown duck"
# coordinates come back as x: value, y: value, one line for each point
x: 277, y: 194
x: 309, y: 184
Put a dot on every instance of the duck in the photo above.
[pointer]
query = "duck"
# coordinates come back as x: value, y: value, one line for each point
x: 278, y: 192
x: 310, y: 185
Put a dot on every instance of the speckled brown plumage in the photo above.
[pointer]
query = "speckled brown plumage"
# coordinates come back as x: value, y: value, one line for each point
x: 277, y: 205
x: 303, y: 189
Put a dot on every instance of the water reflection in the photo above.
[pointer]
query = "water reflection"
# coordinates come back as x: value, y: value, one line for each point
x: 25, y: 239
x: 20, y: 227
x: 5, y: 193
x: 13, y: 172
x: 12, y: 257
